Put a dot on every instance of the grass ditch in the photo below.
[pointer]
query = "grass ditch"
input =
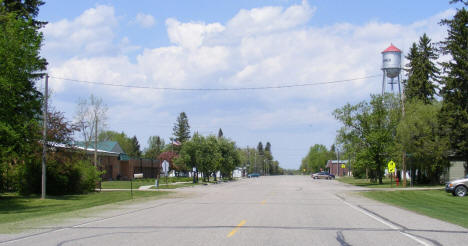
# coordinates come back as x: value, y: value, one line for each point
x: 433, y: 203
x: 15, y: 208
x: 386, y: 183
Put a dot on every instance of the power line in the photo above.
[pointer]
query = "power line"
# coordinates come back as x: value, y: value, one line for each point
x: 215, y: 89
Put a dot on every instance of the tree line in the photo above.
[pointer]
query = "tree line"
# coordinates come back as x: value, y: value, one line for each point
x: 260, y: 160
x: 316, y: 158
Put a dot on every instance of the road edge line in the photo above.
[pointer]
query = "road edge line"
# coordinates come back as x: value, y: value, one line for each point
x: 386, y: 223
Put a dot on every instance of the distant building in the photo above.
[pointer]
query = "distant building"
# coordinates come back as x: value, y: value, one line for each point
x: 335, y: 167
x: 112, y: 159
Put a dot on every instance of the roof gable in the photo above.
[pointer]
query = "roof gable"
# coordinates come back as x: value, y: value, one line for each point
x: 110, y: 146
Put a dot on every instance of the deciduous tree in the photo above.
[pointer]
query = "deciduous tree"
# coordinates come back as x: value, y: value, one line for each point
x: 418, y: 133
x: 155, y: 147
x: 373, y: 124
x: 229, y: 157
x: 91, y: 119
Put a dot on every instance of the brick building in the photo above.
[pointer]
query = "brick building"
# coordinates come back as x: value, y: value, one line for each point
x: 116, y: 164
x: 338, y: 168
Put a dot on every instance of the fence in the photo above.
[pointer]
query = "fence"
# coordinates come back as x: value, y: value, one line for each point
x: 149, y: 167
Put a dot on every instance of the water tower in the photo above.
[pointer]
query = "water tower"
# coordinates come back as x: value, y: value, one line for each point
x: 391, y: 67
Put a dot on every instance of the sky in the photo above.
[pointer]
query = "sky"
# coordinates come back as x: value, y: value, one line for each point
x: 229, y: 44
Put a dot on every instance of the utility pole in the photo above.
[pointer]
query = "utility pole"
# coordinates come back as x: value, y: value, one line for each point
x: 255, y: 160
x: 44, y: 139
x: 338, y: 164
x: 95, y: 137
x: 248, y: 162
x: 403, y: 157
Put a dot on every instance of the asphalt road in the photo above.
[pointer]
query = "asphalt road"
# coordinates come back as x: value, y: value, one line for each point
x: 287, y: 210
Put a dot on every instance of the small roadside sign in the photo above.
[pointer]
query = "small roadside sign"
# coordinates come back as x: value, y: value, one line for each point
x: 391, y: 166
x: 343, y: 166
x: 165, y: 166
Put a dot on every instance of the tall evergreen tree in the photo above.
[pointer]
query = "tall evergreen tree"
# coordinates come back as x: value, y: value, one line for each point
x: 25, y: 10
x: 268, y: 147
x: 454, y: 112
x: 20, y: 101
x: 181, y: 129
x: 260, y: 148
x: 135, y: 148
x: 422, y: 71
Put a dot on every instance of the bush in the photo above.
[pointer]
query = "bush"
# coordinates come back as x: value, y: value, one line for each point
x: 29, y: 177
x: 89, y: 176
x: 69, y: 177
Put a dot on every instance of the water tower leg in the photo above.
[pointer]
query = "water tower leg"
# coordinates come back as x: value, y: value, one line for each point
x: 399, y: 87
x: 383, y: 82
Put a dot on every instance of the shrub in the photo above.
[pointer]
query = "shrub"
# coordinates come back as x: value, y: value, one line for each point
x: 89, y: 176
x: 67, y: 177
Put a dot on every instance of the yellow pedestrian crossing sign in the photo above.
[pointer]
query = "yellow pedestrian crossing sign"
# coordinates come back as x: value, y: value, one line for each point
x: 343, y: 166
x: 391, y: 166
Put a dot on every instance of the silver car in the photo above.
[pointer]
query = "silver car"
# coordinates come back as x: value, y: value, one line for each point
x: 458, y: 187
x: 323, y: 175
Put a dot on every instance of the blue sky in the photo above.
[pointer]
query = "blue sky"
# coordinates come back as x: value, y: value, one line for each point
x: 229, y: 44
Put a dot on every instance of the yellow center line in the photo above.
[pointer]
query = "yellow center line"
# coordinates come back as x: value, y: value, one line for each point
x: 263, y: 202
x: 236, y: 229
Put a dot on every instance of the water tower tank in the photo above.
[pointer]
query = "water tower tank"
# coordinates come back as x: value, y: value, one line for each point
x: 391, y: 61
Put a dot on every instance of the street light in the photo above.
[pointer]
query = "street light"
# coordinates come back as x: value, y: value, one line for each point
x: 338, y: 161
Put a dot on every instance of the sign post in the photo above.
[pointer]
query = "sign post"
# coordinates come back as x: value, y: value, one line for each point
x: 165, y: 167
x: 391, y: 170
x: 194, y: 171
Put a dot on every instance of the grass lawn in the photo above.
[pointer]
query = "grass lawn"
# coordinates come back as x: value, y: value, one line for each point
x: 141, y: 182
x: 434, y: 203
x: 386, y: 183
x: 15, y: 208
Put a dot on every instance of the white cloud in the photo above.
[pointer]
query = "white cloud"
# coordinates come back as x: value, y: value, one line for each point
x: 144, y: 20
x: 90, y: 33
x: 269, y: 19
x: 192, y: 34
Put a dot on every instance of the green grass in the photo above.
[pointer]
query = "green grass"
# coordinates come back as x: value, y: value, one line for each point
x: 434, y: 203
x: 141, y: 182
x: 386, y: 183
x: 15, y: 208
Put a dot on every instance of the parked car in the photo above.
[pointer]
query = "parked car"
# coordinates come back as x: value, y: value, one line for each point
x: 253, y: 175
x: 457, y: 187
x: 323, y: 175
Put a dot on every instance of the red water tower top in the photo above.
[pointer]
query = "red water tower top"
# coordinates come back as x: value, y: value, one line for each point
x: 391, y: 48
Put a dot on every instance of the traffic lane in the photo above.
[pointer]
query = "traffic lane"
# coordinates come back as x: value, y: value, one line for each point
x: 206, y: 219
x: 304, y: 213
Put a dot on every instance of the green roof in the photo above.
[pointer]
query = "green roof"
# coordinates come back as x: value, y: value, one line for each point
x: 110, y: 146
x: 124, y: 157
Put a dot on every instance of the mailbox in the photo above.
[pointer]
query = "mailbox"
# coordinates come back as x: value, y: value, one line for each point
x: 138, y: 175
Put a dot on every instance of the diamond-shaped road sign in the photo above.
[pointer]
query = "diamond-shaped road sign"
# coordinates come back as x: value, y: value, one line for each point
x: 391, y: 166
